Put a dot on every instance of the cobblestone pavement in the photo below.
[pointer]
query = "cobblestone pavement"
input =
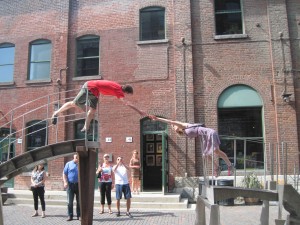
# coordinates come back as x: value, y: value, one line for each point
x: 235, y: 215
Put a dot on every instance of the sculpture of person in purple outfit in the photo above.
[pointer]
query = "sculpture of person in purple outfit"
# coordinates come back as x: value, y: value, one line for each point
x: 210, y: 140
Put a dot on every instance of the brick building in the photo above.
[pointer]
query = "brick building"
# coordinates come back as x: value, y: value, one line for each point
x: 233, y: 65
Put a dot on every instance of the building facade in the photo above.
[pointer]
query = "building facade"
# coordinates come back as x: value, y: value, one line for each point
x: 233, y: 65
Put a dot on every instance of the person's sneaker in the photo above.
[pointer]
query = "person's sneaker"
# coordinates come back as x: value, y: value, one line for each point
x: 230, y: 170
x: 54, y: 120
x: 129, y: 215
x: 118, y: 214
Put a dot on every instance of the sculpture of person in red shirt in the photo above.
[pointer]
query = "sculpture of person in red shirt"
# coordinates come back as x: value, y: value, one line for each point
x: 94, y: 88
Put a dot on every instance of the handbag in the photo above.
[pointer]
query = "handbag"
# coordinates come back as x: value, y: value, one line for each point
x: 99, y: 175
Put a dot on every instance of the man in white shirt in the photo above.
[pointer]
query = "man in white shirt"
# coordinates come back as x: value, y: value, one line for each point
x: 122, y: 185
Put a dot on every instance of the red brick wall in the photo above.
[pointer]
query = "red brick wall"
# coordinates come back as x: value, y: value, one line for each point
x: 176, y: 80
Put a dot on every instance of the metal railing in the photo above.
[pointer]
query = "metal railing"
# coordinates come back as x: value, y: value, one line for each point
x: 41, y: 110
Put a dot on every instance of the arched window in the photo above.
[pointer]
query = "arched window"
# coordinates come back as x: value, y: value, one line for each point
x: 87, y: 56
x: 35, y: 134
x: 7, y: 61
x: 40, y: 60
x: 240, y: 110
x: 152, y: 23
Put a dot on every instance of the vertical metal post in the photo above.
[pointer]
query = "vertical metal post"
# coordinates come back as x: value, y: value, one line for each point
x: 283, y: 168
x: 277, y: 162
x: 265, y: 165
x: 87, y: 164
x: 23, y: 135
x: 271, y: 161
x: 212, y: 159
x: 1, y: 210
x: 285, y: 164
x: 47, y: 116
x: 234, y: 155
x: 245, y: 152
x: 10, y: 133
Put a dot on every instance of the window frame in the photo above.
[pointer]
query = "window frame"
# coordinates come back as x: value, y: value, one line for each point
x: 31, y: 62
x: 81, y: 38
x: 8, y: 45
x: 147, y: 10
x: 220, y: 12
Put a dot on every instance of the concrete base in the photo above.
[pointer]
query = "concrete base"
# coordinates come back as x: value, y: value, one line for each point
x: 279, y: 222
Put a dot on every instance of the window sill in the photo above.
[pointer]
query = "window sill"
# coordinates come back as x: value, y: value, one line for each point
x: 42, y: 81
x: 162, y: 41
x: 4, y: 84
x: 96, y: 77
x: 231, y: 36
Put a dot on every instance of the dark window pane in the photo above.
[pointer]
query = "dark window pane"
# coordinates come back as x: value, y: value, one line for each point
x: 152, y: 24
x: 7, y: 60
x: 229, y: 24
x: 221, y: 5
x: 88, y: 56
x: 88, y: 67
x: 93, y: 132
x: 241, y: 122
x: 36, y: 134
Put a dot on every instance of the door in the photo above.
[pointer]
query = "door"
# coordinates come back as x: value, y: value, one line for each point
x: 7, y: 151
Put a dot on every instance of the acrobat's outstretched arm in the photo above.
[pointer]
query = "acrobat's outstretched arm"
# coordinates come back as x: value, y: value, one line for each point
x: 172, y: 122
x: 142, y: 113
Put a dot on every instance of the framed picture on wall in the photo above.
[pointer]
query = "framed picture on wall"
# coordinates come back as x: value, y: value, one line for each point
x: 158, y: 160
x: 149, y: 137
x: 158, y: 148
x: 150, y: 148
x: 150, y: 160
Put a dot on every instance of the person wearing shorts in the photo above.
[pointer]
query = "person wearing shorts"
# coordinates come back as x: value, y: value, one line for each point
x: 122, y: 185
x: 89, y: 95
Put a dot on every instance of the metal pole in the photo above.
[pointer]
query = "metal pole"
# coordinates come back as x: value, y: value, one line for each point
x: 234, y: 155
x: 10, y: 133
x: 265, y: 165
x: 245, y: 152
x: 283, y: 169
x: 277, y: 162
x: 271, y: 161
x: 212, y: 157
x: 23, y: 136
x: 47, y: 116
x: 285, y: 163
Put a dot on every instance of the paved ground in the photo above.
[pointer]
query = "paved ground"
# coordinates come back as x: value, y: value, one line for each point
x: 235, y: 215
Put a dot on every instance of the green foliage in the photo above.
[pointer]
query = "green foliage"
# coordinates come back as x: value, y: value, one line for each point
x: 251, y: 181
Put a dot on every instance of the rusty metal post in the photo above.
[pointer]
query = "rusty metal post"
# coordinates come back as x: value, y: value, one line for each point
x: 87, y: 164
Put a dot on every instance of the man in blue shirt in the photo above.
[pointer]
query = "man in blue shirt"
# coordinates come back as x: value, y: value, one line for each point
x: 70, y: 178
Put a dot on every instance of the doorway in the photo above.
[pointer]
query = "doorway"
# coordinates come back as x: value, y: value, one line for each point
x: 154, y: 156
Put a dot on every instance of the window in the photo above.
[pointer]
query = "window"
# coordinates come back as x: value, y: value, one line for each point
x: 87, y: 56
x: 152, y: 23
x: 228, y: 17
x: 7, y: 61
x: 36, y: 134
x: 240, y: 117
x: 40, y: 58
x: 92, y: 132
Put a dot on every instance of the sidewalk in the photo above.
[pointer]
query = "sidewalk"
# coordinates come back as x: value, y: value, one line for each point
x: 235, y: 215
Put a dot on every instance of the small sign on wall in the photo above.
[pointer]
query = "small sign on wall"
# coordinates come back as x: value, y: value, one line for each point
x: 108, y: 139
x: 19, y: 140
x: 129, y: 139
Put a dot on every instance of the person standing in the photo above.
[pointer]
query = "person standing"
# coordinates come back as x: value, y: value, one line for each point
x: 93, y: 89
x: 104, y: 173
x: 122, y: 185
x: 38, y: 177
x: 135, y: 171
x: 70, y: 178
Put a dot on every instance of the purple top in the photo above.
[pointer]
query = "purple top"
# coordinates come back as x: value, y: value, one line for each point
x: 210, y: 138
